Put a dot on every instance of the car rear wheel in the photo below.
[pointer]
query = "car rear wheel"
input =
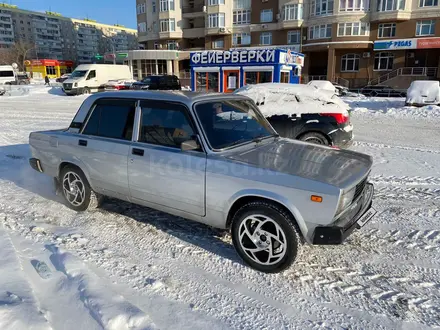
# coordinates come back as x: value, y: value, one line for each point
x: 265, y: 236
x: 316, y: 138
x: 76, y: 190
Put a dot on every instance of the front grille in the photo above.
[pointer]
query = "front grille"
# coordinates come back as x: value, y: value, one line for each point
x: 67, y: 86
x: 359, y: 189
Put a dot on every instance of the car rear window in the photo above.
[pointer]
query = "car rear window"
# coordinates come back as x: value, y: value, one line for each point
x: 6, y: 73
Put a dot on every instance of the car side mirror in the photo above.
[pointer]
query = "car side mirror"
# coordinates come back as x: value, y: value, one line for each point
x: 189, y: 145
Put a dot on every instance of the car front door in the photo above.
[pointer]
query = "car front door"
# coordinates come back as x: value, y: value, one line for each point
x: 104, y: 143
x: 159, y: 172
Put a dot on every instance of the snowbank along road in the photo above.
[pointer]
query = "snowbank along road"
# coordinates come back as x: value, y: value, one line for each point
x: 129, y: 267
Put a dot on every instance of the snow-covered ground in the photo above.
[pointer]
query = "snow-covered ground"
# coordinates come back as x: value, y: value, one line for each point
x: 129, y: 267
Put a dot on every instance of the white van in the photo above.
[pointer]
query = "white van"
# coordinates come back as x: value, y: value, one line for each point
x: 423, y: 92
x: 88, y: 78
x: 7, y: 75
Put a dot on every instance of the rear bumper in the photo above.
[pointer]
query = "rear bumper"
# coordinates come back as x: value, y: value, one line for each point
x: 330, y: 235
x: 342, y: 138
x: 36, y: 165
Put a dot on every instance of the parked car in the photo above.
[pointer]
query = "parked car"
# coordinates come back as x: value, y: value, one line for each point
x: 303, y: 112
x: 423, y: 92
x: 7, y: 75
x: 211, y: 158
x: 381, y: 91
x: 119, y: 84
x: 158, y: 82
x: 23, y: 79
x: 323, y: 85
x: 89, y: 78
x: 2, y: 91
x: 63, y: 78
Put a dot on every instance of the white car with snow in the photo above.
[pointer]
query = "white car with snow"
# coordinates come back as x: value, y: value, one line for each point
x: 423, y: 92
x: 303, y: 112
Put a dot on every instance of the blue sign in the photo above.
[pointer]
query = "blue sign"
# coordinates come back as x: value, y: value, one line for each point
x: 263, y: 56
x: 395, y: 44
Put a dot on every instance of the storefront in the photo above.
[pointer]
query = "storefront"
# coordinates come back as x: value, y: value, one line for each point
x: 51, y: 68
x: 226, y: 71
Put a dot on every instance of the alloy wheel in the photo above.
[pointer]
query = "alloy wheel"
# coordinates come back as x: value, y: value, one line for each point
x: 73, y: 188
x: 262, y: 239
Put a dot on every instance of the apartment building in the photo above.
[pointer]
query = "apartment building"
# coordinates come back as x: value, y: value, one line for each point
x: 354, y: 42
x: 61, y: 38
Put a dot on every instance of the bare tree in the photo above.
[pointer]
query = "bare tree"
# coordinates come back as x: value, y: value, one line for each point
x: 18, y: 53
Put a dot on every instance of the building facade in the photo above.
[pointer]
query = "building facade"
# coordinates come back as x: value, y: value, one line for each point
x: 353, y: 42
x: 60, y: 38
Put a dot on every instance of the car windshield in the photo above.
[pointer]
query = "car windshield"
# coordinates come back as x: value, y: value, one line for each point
x: 146, y: 80
x: 233, y: 122
x: 79, y: 74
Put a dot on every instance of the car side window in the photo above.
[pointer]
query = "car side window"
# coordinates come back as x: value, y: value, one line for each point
x: 92, y: 74
x: 112, y: 119
x: 165, y: 124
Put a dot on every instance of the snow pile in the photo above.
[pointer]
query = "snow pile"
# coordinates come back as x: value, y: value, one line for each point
x: 423, y: 90
x: 287, y: 99
x: 323, y: 84
x: 393, y: 107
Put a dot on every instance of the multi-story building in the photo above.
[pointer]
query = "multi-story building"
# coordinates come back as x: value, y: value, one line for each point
x: 354, y: 42
x: 56, y: 37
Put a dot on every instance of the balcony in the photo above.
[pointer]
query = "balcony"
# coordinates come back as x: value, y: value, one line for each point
x: 395, y: 15
x: 218, y: 30
x: 193, y: 11
x: 292, y: 24
x: 170, y: 35
x: 194, y: 33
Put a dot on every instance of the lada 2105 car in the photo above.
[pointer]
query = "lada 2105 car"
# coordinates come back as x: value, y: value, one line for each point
x: 210, y: 158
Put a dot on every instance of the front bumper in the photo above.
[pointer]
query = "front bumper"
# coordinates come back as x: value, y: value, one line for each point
x: 359, y: 214
x: 73, y: 91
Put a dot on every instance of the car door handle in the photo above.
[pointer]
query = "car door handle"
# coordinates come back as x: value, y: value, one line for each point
x: 137, y: 152
x: 82, y: 143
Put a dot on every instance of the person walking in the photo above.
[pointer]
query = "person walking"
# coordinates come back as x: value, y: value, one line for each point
x: 46, y: 81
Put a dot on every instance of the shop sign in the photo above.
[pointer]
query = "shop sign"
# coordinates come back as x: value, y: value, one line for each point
x: 428, y: 43
x: 290, y: 58
x: 233, y: 57
x: 395, y: 44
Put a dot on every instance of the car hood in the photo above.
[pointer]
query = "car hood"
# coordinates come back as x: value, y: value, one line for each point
x: 339, y: 168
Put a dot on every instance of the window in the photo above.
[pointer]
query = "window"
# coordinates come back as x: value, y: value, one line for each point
x: 241, y: 17
x: 207, y: 82
x: 386, y: 30
x: 6, y: 74
x: 292, y: 12
x: 216, y: 2
x: 154, y: 6
x: 383, y: 61
x: 112, y: 119
x: 164, y: 124
x: 354, y: 5
x: 353, y: 29
x: 320, y: 31
x: 231, y: 123
x: 285, y: 77
x: 167, y: 25
x: 92, y: 75
x: 252, y: 78
x: 241, y: 39
x: 350, y: 63
x: 219, y: 43
x: 166, y: 5
x: 321, y: 7
x: 428, y: 3
x: 425, y: 28
x: 216, y: 20
x: 266, y: 38
x: 140, y: 9
x: 142, y: 27
x: 293, y: 37
x: 390, y: 5
x: 242, y: 4
x: 50, y: 70
x: 266, y: 16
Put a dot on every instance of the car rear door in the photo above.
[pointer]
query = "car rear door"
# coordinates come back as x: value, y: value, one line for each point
x: 104, y: 142
x: 159, y: 171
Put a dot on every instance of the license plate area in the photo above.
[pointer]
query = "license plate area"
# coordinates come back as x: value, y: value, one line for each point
x: 366, y: 217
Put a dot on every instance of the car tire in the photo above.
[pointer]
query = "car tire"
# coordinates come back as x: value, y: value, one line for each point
x: 314, y: 137
x: 265, y: 227
x: 86, y: 91
x: 76, y: 190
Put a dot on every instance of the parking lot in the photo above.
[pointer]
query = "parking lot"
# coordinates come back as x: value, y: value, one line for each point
x: 166, y: 272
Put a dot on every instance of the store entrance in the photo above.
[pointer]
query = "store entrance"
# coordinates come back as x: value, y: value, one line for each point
x: 231, y: 80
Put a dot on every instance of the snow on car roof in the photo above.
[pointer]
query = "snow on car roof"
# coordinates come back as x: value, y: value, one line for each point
x: 322, y: 84
x: 287, y: 99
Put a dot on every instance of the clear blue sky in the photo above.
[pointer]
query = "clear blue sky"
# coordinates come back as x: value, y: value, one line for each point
x: 104, y: 11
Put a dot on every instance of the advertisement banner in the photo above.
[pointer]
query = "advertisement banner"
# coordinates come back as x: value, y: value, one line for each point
x: 428, y: 43
x: 395, y: 44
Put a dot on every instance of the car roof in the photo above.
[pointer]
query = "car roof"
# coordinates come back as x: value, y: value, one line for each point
x: 173, y: 96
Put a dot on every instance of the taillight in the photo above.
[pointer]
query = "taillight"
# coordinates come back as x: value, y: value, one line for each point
x: 118, y: 88
x: 340, y: 117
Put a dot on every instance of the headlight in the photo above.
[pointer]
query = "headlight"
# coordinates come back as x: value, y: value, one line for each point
x: 345, y: 200
x: 76, y: 85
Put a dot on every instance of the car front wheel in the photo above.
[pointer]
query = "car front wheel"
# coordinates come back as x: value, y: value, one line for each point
x: 265, y: 236
x: 76, y: 190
